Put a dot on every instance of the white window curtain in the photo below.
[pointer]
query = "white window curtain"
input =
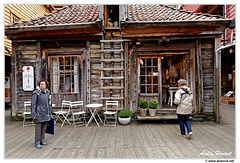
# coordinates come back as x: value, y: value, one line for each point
x: 56, y: 75
x: 76, y: 75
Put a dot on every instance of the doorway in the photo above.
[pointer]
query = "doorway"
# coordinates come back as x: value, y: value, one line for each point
x: 173, y: 68
x: 158, y: 76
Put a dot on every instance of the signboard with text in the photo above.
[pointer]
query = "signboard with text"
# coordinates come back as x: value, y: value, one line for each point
x: 28, y: 78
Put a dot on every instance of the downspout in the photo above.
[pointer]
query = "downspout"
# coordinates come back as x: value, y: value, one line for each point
x: 217, y: 75
x: 225, y: 31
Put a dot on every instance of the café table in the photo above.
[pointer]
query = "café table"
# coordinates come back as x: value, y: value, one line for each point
x: 93, y: 108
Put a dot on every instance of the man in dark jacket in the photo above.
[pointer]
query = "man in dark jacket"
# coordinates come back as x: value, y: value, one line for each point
x: 41, y: 111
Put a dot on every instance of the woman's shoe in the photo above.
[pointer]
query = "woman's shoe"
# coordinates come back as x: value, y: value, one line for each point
x: 181, y: 135
x: 189, y: 136
x: 43, y: 143
x: 38, y: 146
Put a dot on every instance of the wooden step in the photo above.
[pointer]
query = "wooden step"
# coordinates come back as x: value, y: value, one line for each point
x: 112, y: 60
x: 114, y: 78
x: 158, y: 117
x: 111, y: 28
x: 111, y: 40
x: 111, y: 98
x: 166, y: 110
x: 112, y: 50
x: 227, y: 100
x: 110, y: 87
x: 112, y: 69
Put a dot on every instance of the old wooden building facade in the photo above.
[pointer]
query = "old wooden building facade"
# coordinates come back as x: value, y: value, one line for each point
x: 96, y: 53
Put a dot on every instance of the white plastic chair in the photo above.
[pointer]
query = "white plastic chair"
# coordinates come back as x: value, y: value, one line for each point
x: 27, y: 114
x: 171, y: 90
x: 78, y: 113
x: 63, y: 114
x: 110, y: 113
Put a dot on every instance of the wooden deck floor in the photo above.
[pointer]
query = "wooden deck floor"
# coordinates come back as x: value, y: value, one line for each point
x: 145, y: 140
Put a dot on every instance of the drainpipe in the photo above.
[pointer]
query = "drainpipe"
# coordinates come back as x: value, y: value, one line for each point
x: 218, y: 85
x: 225, y: 32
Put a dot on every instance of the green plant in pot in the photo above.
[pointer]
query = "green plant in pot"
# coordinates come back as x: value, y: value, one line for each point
x: 143, y: 104
x: 124, y: 116
x: 153, y: 104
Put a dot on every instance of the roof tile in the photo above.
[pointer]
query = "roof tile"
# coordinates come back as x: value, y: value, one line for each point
x: 66, y: 15
x: 89, y: 13
x: 140, y: 12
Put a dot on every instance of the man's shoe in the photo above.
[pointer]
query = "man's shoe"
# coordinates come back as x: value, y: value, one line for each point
x: 189, y: 136
x: 43, y: 143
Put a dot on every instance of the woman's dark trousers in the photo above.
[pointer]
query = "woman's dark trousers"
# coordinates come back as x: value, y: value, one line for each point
x: 40, y: 129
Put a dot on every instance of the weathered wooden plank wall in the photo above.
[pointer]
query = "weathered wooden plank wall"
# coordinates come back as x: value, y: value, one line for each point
x: 25, y: 56
x: 207, y: 54
x: 95, y: 73
x: 90, y: 68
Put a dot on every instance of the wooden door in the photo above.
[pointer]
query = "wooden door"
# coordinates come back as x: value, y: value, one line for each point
x: 149, y: 79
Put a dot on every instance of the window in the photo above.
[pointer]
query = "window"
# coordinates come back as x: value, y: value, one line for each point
x: 65, y: 74
x: 149, y: 75
x: 15, y: 18
x: 111, y: 14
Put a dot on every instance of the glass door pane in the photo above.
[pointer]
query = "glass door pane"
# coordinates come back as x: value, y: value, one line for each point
x: 149, y: 78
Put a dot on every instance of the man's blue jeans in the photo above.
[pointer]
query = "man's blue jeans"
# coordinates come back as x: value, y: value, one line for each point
x: 184, y: 121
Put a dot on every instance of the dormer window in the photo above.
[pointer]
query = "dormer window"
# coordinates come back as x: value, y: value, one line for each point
x: 111, y: 15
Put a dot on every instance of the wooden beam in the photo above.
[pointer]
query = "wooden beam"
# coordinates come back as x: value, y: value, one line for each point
x: 56, y: 33
x: 38, y: 62
x: 217, y: 80
x: 168, y: 46
x: 193, y: 76
x: 88, y: 73
x: 131, y: 78
x: 169, y: 29
x: 199, y: 75
x: 126, y: 74
x: 14, y: 95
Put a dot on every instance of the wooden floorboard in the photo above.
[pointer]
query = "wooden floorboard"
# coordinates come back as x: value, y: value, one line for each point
x: 153, y: 140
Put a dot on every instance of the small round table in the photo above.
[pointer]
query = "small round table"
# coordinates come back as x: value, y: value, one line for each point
x: 93, y: 110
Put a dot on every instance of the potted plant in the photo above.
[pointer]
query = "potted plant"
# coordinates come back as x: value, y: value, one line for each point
x: 143, y: 104
x: 124, y: 116
x: 153, y: 104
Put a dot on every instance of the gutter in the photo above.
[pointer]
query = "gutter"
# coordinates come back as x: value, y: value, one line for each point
x: 9, y: 30
x: 183, y: 22
x: 221, y: 48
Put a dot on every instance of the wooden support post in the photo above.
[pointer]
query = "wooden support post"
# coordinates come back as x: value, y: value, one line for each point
x: 14, y: 95
x: 193, y: 76
x: 126, y: 75
x: 85, y: 78
x: 217, y: 80
x: 199, y: 76
x: 131, y: 79
x: 88, y: 66
x: 38, y: 62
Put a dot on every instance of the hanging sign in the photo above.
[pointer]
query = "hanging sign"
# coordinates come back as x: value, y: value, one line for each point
x: 28, y: 78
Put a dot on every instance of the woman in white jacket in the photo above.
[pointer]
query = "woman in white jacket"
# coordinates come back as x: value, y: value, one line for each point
x: 183, y: 98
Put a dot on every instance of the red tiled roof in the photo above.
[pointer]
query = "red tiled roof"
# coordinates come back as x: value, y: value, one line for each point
x: 150, y: 13
x: 67, y: 15
x: 73, y: 14
x: 190, y: 7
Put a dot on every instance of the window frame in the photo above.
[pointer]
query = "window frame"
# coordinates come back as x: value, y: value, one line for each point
x: 152, y: 76
x: 74, y: 86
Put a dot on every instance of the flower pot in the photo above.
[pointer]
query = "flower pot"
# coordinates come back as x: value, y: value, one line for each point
x: 124, y: 121
x: 152, y: 112
x: 143, y: 112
